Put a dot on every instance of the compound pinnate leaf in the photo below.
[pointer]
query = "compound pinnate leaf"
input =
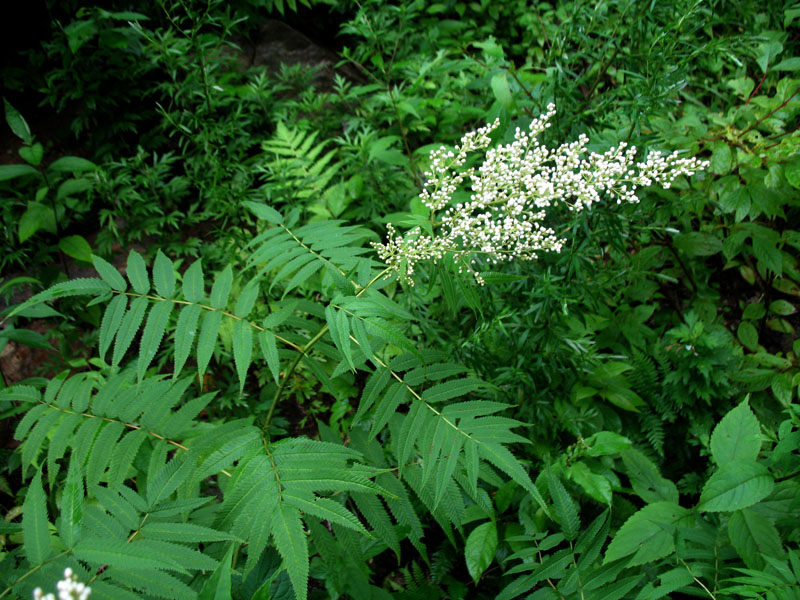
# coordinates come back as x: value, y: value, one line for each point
x: 35, y: 527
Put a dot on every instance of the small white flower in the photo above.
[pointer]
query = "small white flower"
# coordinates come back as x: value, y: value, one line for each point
x: 68, y: 588
x: 511, y: 190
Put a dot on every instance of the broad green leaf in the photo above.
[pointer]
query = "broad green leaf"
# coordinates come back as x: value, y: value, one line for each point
x: 17, y: 123
x: 748, y: 335
x: 153, y: 333
x: 721, y: 158
x: 290, y: 540
x: 736, y: 485
x: 266, y: 340
x: 185, y: 334
x: 222, y: 288
x: 737, y: 437
x: 594, y: 484
x: 645, y: 479
x: 647, y: 535
x: 193, y: 284
x: 36, y: 217
x: 76, y: 247
x: 35, y: 528
x: 604, y: 443
x: 480, y: 548
x: 501, y: 90
x: 752, y: 534
x: 218, y: 586
x: 14, y: 171
x: 32, y: 154
x: 207, y: 340
x: 109, y: 274
x: 137, y: 273
x: 164, y: 275
x: 242, y: 349
x: 73, y: 186
x: 128, y: 328
x: 71, y: 164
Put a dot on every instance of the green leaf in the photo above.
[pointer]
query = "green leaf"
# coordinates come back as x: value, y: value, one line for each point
x: 647, y: 535
x: 737, y: 437
x: 782, y: 307
x: 183, y: 532
x: 375, y: 384
x: 76, y: 247
x: 35, y: 528
x: 17, y: 123
x: 721, y: 158
x: 340, y: 332
x: 451, y: 389
x: 247, y: 299
x: 193, y: 284
x: 242, y: 350
x: 109, y: 274
x: 153, y: 333
x: 137, y: 273
x: 36, y: 217
x: 222, y: 288
x: 394, y: 396
x: 752, y: 534
x: 71, y: 509
x: 71, y: 164
x: 32, y: 154
x: 207, y: 340
x: 164, y: 275
x: 218, y: 586
x: 748, y: 335
x: 480, y: 548
x: 501, y: 90
x: 565, y: 510
x: 185, y: 334
x: 736, y: 485
x: 645, y: 479
x: 604, y: 443
x: 266, y: 340
x: 696, y: 243
x: 128, y: 328
x: 14, y: 171
x: 262, y: 211
x: 73, y: 186
x: 290, y: 540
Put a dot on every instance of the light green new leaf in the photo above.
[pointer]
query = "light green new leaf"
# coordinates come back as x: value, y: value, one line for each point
x: 137, y: 273
x: 112, y: 319
x: 193, y: 282
x: 242, y: 349
x: 290, y: 540
x: 164, y: 275
x: 736, y: 485
x: 737, y: 437
x: 128, y: 328
x: 35, y: 528
x: 222, y: 288
x: 480, y: 548
x: 565, y: 510
x: 209, y: 329
x: 153, y: 333
x: 752, y: 534
x: 185, y: 334
x: 262, y: 211
x: 109, y: 274
x: 266, y: 340
x: 77, y: 247
x: 647, y: 535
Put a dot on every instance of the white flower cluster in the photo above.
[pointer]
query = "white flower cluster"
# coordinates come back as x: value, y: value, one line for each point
x: 511, y: 192
x: 68, y: 588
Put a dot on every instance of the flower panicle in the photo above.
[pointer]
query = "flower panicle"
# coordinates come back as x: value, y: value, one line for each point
x: 68, y: 588
x: 511, y: 192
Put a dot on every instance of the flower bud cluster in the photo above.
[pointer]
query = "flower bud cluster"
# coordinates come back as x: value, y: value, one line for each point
x: 511, y: 192
x: 68, y: 588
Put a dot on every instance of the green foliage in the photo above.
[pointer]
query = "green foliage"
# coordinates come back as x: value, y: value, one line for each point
x: 250, y: 406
